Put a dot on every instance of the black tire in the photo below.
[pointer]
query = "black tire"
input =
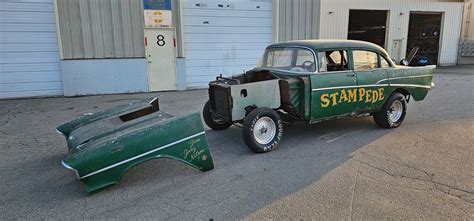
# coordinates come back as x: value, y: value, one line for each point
x: 211, y: 120
x: 262, y: 117
x: 387, y: 117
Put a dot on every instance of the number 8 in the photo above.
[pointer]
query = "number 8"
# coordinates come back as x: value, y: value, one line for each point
x: 161, y: 40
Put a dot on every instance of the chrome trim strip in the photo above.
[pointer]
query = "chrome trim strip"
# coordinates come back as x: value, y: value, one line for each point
x: 406, y: 77
x: 373, y: 85
x: 411, y: 85
x: 143, y: 154
x: 59, y: 132
x: 353, y: 86
x: 70, y: 168
x: 153, y: 100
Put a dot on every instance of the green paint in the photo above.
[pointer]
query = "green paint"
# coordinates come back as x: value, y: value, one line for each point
x: 322, y: 96
x: 103, y: 146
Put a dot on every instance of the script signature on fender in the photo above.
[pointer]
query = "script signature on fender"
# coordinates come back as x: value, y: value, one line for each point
x: 192, y: 151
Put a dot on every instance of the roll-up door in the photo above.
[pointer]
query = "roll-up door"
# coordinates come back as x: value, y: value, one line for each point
x: 224, y: 37
x: 29, y: 54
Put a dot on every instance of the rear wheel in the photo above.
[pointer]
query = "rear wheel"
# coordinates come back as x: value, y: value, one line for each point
x: 212, y: 121
x: 262, y: 130
x: 393, y: 112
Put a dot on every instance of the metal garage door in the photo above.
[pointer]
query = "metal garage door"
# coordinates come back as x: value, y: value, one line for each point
x: 224, y: 37
x: 29, y: 57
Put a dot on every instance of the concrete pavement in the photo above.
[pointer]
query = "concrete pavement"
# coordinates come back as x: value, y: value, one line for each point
x: 342, y: 169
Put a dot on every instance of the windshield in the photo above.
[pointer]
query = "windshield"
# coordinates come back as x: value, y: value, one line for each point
x: 288, y: 59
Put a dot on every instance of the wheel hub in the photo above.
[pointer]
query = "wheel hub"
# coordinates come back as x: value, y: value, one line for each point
x: 265, y: 130
x: 395, y: 112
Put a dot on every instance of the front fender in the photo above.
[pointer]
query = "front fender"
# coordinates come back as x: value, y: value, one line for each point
x: 103, y: 150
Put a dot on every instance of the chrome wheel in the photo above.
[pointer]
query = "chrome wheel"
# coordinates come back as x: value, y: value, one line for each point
x: 264, y: 130
x: 395, y: 112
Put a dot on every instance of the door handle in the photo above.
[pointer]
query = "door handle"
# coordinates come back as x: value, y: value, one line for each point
x: 351, y: 75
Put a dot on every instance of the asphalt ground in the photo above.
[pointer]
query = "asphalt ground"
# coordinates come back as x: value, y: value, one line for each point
x: 337, y: 170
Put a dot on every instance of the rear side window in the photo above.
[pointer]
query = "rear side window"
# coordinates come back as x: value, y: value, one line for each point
x: 330, y: 61
x: 384, y: 63
x: 365, y: 60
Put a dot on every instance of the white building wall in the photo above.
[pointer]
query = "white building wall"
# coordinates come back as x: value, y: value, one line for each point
x: 295, y: 19
x: 335, y: 21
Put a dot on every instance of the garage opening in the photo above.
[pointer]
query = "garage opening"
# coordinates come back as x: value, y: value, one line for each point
x: 368, y: 25
x: 424, y: 32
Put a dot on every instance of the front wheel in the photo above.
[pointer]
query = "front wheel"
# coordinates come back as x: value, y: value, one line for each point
x: 212, y: 121
x: 393, y: 112
x: 262, y: 130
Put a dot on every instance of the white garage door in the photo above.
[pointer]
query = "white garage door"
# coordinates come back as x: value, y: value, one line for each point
x: 224, y: 37
x: 29, y: 57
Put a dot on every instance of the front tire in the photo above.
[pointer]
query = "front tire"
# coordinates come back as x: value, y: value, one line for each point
x: 262, y: 130
x: 212, y: 121
x: 392, y: 113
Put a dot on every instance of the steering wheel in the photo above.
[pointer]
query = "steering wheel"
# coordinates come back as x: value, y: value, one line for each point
x: 307, y: 64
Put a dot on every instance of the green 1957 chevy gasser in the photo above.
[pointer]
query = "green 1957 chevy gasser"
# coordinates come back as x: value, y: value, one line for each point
x: 313, y: 81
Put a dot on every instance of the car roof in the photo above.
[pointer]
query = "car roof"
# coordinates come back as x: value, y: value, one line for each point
x: 317, y: 45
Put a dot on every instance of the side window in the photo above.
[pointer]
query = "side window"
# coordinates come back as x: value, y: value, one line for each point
x: 384, y: 63
x: 330, y: 61
x: 365, y: 60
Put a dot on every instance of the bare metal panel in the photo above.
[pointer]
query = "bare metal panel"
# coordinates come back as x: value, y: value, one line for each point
x: 260, y: 94
x: 298, y: 19
x: 101, y: 28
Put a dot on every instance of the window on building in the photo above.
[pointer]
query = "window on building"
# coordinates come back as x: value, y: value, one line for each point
x: 332, y: 61
x: 365, y: 60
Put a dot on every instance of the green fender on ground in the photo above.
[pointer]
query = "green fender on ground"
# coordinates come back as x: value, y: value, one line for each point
x: 105, y: 145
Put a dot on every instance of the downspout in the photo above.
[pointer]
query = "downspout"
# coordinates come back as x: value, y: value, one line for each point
x: 275, y: 20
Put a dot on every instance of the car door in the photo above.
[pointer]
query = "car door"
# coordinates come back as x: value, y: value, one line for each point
x: 330, y: 87
x: 372, y: 80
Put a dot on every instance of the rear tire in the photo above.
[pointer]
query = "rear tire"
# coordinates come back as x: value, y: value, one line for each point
x: 392, y: 113
x: 212, y: 121
x: 262, y: 130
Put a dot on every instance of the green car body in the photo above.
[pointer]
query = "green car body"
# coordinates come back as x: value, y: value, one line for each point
x: 104, y: 145
x: 314, y: 81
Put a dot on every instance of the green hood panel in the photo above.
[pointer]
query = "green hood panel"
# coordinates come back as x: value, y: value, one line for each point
x: 103, y: 146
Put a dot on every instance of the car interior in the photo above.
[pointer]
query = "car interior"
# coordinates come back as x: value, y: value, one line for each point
x: 333, y: 61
